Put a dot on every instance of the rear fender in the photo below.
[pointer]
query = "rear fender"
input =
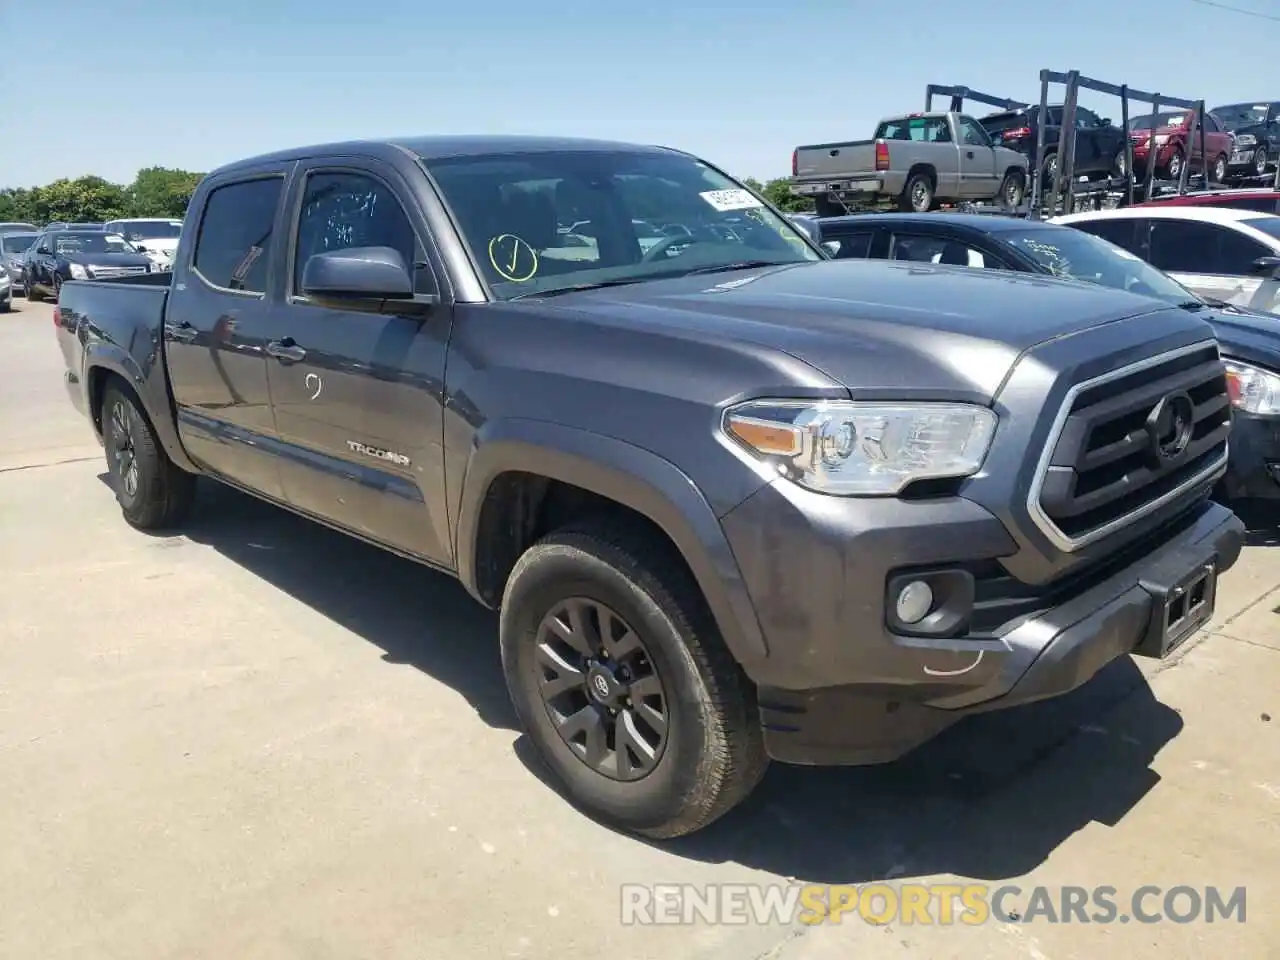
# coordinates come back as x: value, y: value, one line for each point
x: 630, y: 476
x: 147, y: 379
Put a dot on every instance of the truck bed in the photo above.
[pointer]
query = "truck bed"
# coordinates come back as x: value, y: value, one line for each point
x: 124, y: 315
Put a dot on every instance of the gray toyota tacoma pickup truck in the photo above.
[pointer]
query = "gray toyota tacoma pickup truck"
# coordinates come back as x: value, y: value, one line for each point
x: 734, y: 500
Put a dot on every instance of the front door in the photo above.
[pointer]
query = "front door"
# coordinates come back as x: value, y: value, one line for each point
x: 358, y: 391
x: 978, y: 174
x: 215, y: 332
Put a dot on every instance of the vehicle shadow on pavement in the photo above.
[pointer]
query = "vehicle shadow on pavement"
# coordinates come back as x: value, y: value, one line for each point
x: 413, y: 614
x: 976, y: 801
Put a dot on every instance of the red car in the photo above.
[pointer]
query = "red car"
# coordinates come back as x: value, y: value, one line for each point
x: 1263, y: 201
x: 1171, y: 144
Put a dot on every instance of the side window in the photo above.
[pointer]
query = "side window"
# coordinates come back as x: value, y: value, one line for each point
x: 1086, y: 120
x: 345, y: 210
x: 1237, y: 253
x: 1123, y: 233
x: 849, y: 246
x: 236, y: 234
x: 938, y: 250
x: 972, y: 134
x: 1185, y: 246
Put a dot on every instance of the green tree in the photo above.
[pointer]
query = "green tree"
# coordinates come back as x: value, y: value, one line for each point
x: 778, y: 192
x: 85, y: 198
x: 161, y: 192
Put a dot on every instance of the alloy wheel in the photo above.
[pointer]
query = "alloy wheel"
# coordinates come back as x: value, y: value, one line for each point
x: 601, y: 689
x: 123, y: 448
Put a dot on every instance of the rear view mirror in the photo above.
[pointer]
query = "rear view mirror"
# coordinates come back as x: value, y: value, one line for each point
x: 1265, y: 264
x: 362, y: 273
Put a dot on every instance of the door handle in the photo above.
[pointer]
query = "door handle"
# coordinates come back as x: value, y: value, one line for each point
x: 969, y: 154
x: 183, y: 331
x: 286, y: 351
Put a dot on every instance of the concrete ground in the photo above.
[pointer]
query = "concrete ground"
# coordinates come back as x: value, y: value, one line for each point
x: 264, y: 740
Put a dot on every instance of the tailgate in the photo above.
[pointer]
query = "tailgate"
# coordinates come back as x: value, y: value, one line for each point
x: 824, y: 160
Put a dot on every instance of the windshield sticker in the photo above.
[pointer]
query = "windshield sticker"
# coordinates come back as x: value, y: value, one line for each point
x: 1122, y: 252
x: 726, y: 200
x: 513, y: 258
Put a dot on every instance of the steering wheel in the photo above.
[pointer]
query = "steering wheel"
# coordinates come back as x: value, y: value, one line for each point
x: 665, y: 244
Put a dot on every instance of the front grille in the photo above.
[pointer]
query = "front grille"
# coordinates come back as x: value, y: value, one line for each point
x: 108, y: 273
x: 1130, y: 441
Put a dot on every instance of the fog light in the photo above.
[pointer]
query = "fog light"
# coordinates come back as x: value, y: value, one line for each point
x: 914, y: 602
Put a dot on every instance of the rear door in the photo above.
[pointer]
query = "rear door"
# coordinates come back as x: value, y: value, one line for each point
x: 358, y: 390
x: 215, y: 329
x: 1213, y: 260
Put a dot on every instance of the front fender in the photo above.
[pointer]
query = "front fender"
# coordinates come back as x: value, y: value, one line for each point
x: 628, y: 475
x: 147, y: 378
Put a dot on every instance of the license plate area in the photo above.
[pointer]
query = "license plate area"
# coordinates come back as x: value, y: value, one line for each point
x: 1180, y: 606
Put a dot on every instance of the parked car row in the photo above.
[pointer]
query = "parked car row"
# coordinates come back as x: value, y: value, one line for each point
x: 37, y: 261
x: 736, y: 500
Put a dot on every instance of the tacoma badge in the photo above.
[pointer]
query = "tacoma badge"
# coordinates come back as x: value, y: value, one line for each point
x: 378, y: 453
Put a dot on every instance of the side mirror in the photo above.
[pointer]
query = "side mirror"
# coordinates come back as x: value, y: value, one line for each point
x: 809, y: 229
x: 832, y: 247
x: 43, y: 249
x: 358, y: 273
x: 1265, y: 264
x: 139, y: 247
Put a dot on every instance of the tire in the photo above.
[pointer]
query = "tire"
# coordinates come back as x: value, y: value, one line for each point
x: 1173, y: 169
x: 917, y: 194
x: 152, y: 491
x: 711, y: 755
x: 1013, y: 189
x: 1119, y: 163
x: 1219, y: 171
x: 826, y: 207
x: 1260, y: 160
x: 57, y: 288
x: 1049, y: 170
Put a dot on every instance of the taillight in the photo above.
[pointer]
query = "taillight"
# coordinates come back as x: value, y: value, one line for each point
x: 795, y: 163
x: 882, y: 156
x: 1017, y: 133
x: 57, y: 317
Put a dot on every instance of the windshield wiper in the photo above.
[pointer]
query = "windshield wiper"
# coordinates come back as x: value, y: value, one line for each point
x: 1194, y: 305
x: 600, y: 284
x: 738, y: 265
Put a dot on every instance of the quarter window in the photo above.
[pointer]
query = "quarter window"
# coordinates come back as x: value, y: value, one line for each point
x: 236, y: 235
x: 345, y: 210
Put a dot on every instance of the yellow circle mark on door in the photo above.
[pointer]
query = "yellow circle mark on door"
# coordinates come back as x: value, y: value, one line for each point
x: 513, y: 258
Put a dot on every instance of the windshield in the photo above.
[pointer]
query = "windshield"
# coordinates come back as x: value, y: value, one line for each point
x: 1075, y: 255
x: 516, y: 210
x: 1241, y: 114
x: 64, y: 243
x: 16, y: 242
x: 146, y: 229
x: 1154, y: 121
x: 1268, y: 225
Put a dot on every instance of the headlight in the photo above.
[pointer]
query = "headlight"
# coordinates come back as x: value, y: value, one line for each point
x: 863, y: 448
x: 78, y: 272
x: 1161, y: 139
x: 1253, y: 389
x: 1246, y: 140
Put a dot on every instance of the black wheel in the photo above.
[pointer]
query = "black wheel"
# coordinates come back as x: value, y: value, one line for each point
x: 619, y: 676
x: 152, y: 491
x: 1013, y: 189
x: 1260, y: 161
x: 1050, y: 169
x: 1174, y: 166
x: 917, y: 194
x: 1120, y: 163
x: 1219, y: 171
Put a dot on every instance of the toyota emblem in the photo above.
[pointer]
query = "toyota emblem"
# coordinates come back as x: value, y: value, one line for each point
x: 601, y: 685
x: 1170, y: 426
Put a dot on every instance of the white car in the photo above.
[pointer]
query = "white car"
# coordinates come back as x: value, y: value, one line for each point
x: 157, y: 237
x: 1219, y: 253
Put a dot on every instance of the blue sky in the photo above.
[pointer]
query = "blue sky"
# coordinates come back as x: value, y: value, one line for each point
x: 110, y: 87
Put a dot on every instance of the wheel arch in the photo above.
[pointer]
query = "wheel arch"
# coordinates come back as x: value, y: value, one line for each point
x: 105, y: 362
x: 524, y: 476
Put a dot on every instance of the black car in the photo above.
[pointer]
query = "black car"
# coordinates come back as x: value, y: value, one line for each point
x: 59, y: 255
x: 1255, y: 131
x: 1100, y: 145
x: 1250, y: 342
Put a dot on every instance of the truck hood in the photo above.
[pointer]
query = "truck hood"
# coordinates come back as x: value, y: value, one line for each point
x: 875, y: 326
x: 108, y: 259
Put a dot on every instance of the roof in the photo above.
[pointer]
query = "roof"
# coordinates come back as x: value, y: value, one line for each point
x: 442, y: 146
x: 1219, y: 215
x: 983, y: 223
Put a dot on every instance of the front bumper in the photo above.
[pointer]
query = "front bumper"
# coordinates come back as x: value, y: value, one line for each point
x: 839, y: 687
x: 1253, y: 472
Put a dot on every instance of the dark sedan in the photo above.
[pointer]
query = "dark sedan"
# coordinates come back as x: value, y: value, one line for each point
x: 60, y: 255
x: 1250, y: 341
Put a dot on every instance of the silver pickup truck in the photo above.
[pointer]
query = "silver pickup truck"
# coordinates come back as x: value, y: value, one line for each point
x: 919, y: 159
